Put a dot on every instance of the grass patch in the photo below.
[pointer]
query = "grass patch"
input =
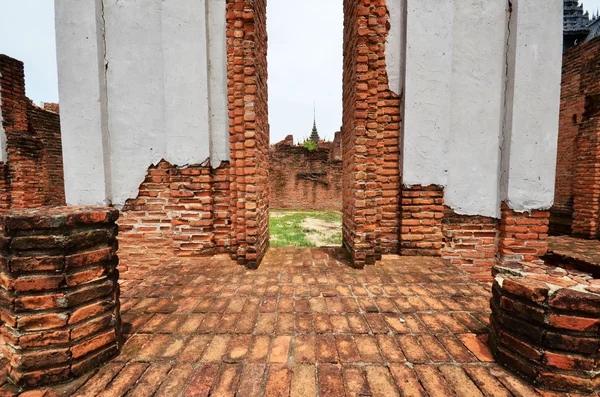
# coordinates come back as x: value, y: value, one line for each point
x: 288, y: 228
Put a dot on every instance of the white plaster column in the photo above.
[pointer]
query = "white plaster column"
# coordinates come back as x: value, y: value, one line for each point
x: 395, y: 47
x: 82, y: 88
x: 477, y: 106
x: 427, y: 91
x: 140, y: 81
x: 533, y: 101
x: 136, y: 102
x: 217, y: 81
x: 186, y: 97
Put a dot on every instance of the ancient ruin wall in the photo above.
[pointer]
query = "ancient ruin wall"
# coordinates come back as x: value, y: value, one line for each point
x: 572, y: 103
x: 304, y: 180
x: 179, y: 211
x: 32, y: 170
x: 577, y: 190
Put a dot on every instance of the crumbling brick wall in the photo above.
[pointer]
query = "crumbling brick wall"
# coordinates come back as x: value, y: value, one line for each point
x: 577, y: 190
x: 178, y: 212
x: 33, y: 173
x: 45, y: 126
x: 301, y: 179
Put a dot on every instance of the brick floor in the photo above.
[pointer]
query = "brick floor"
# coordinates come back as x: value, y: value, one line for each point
x: 303, y: 324
x: 581, y: 250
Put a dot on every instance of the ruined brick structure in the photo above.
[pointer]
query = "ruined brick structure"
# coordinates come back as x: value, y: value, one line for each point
x: 301, y: 179
x: 31, y: 174
x: 179, y: 211
x: 577, y: 194
x: 470, y: 242
x: 545, y: 325
x: 407, y: 186
x: 59, y: 292
x: 249, y: 129
x: 370, y: 136
x: 416, y: 99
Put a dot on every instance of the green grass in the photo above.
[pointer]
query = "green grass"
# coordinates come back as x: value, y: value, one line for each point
x: 286, y: 230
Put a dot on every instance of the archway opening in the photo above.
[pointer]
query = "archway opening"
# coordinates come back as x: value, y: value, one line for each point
x: 305, y: 66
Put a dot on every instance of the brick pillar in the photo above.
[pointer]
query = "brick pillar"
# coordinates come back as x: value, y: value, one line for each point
x: 422, y: 212
x: 586, y: 188
x: 523, y: 236
x: 370, y: 136
x: 59, y: 291
x: 24, y: 150
x: 248, y: 128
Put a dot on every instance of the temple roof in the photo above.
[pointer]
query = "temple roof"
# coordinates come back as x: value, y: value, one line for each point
x: 575, y: 19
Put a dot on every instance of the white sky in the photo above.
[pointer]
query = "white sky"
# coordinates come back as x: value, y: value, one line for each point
x: 305, y: 66
x: 305, y: 59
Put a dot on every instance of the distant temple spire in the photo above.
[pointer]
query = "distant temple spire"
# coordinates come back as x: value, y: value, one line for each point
x: 314, y: 136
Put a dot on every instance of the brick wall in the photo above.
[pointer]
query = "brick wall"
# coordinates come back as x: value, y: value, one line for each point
x: 336, y: 147
x: 52, y: 107
x: 201, y: 210
x: 523, y: 236
x: 470, y: 243
x: 370, y: 136
x: 33, y: 174
x: 178, y: 212
x: 422, y: 211
x: 304, y: 180
x: 45, y: 126
x: 577, y: 193
x: 249, y: 129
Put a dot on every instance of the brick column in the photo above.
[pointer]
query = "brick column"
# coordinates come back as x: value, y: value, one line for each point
x: 523, y: 236
x: 370, y: 135
x: 586, y: 184
x: 248, y: 128
x: 23, y: 151
x: 59, y: 292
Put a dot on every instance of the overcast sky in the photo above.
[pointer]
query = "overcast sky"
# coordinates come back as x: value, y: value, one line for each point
x: 305, y: 59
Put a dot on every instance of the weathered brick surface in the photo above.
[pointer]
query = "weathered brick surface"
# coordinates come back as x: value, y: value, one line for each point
x: 304, y: 180
x: 32, y: 176
x: 573, y: 252
x: 304, y: 323
x: 178, y: 212
x: 577, y: 192
x: 59, y: 292
x: 546, y: 325
x: 523, y: 236
x: 470, y: 243
x: 370, y: 136
x: 422, y: 211
x: 249, y: 129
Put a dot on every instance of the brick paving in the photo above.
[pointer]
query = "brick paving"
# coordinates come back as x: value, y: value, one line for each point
x: 303, y: 324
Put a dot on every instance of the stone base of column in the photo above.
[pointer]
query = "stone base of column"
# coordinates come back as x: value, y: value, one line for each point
x: 544, y: 325
x: 59, y: 292
x: 523, y: 236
